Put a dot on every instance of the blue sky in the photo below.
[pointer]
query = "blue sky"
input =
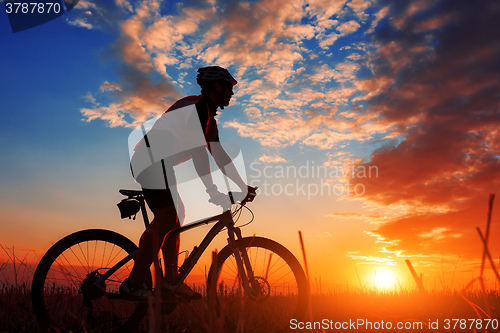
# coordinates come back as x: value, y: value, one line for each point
x: 409, y: 87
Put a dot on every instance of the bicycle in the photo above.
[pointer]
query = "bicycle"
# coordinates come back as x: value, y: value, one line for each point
x: 252, y: 281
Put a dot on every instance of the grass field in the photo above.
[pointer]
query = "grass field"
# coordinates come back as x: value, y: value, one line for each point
x: 472, y: 308
x: 335, y: 308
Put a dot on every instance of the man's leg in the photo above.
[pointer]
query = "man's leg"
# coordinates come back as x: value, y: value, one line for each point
x: 170, y: 247
x: 170, y: 252
x: 164, y: 220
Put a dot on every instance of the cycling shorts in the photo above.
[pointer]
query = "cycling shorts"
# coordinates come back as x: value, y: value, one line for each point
x: 158, y: 199
x: 156, y: 189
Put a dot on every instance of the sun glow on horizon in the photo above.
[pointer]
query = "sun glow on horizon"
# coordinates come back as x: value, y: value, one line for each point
x: 384, y: 279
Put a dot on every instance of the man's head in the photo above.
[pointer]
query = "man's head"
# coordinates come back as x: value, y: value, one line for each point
x: 217, y: 83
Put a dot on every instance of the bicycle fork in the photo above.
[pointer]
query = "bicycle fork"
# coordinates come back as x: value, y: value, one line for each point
x: 242, y: 261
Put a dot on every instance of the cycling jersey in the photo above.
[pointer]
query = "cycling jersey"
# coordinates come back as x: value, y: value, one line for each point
x: 188, y: 124
x: 206, y: 113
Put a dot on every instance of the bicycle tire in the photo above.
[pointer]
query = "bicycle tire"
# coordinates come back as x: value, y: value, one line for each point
x: 279, y: 275
x: 61, y: 289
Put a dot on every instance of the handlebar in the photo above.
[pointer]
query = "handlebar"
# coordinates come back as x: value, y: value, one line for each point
x: 235, y: 197
x: 248, y: 198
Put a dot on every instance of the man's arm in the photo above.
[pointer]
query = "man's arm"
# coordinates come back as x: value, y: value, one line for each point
x: 202, y: 166
x: 226, y: 165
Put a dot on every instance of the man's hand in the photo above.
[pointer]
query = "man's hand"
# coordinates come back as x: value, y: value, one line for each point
x: 251, y: 194
x: 219, y: 199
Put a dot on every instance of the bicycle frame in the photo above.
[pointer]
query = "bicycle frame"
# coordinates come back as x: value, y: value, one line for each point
x: 224, y: 220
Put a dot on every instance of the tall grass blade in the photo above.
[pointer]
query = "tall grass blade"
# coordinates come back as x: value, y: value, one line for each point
x: 485, y: 240
x: 307, y: 272
x: 418, y: 280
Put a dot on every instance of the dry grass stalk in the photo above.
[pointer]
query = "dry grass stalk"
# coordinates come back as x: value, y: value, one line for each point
x: 486, y: 253
x: 307, y: 273
x: 418, y: 280
x: 23, y: 268
x: 485, y: 239
x: 474, y: 306
x: 215, y: 312
x: 359, y: 280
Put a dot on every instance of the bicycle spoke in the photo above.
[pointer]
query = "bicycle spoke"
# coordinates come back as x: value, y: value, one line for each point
x: 67, y: 292
x: 77, y: 274
x: 84, y: 257
x: 103, y: 254
x: 110, y: 254
x: 276, y: 292
x: 267, y: 268
x: 95, y: 251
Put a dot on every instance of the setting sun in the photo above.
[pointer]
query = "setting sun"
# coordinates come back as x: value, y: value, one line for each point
x: 365, y: 135
x: 384, y: 279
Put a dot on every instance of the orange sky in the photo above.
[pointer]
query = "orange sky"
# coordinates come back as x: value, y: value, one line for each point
x: 409, y: 89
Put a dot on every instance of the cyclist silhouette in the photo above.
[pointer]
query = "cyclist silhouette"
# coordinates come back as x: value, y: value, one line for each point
x: 185, y: 131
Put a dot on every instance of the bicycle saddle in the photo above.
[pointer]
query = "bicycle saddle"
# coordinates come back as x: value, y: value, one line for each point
x: 130, y: 193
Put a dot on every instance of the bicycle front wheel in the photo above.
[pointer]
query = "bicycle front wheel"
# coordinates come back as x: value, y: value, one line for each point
x: 280, y: 288
x: 63, y: 292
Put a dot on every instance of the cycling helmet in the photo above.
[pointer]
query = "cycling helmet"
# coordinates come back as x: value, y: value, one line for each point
x: 214, y: 73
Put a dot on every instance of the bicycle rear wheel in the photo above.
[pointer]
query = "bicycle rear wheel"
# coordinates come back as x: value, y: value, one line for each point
x: 63, y: 294
x: 280, y: 285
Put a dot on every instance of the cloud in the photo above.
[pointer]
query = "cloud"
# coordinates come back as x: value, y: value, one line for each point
x: 415, y: 82
x: 323, y: 131
x: 150, y: 43
x: 436, y: 234
x: 90, y: 98
x: 263, y: 40
x: 125, y: 4
x: 371, y: 260
x: 347, y: 215
x: 272, y: 159
x: 324, y: 9
x: 433, y: 23
x: 324, y: 234
x: 106, y: 86
x: 342, y: 72
x: 98, y: 14
x: 113, y: 115
x: 326, y: 40
x: 359, y: 6
x: 81, y: 23
x: 280, y: 130
x: 437, y: 82
x: 378, y: 16
x: 138, y: 97
x: 357, y: 216
x: 348, y: 27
